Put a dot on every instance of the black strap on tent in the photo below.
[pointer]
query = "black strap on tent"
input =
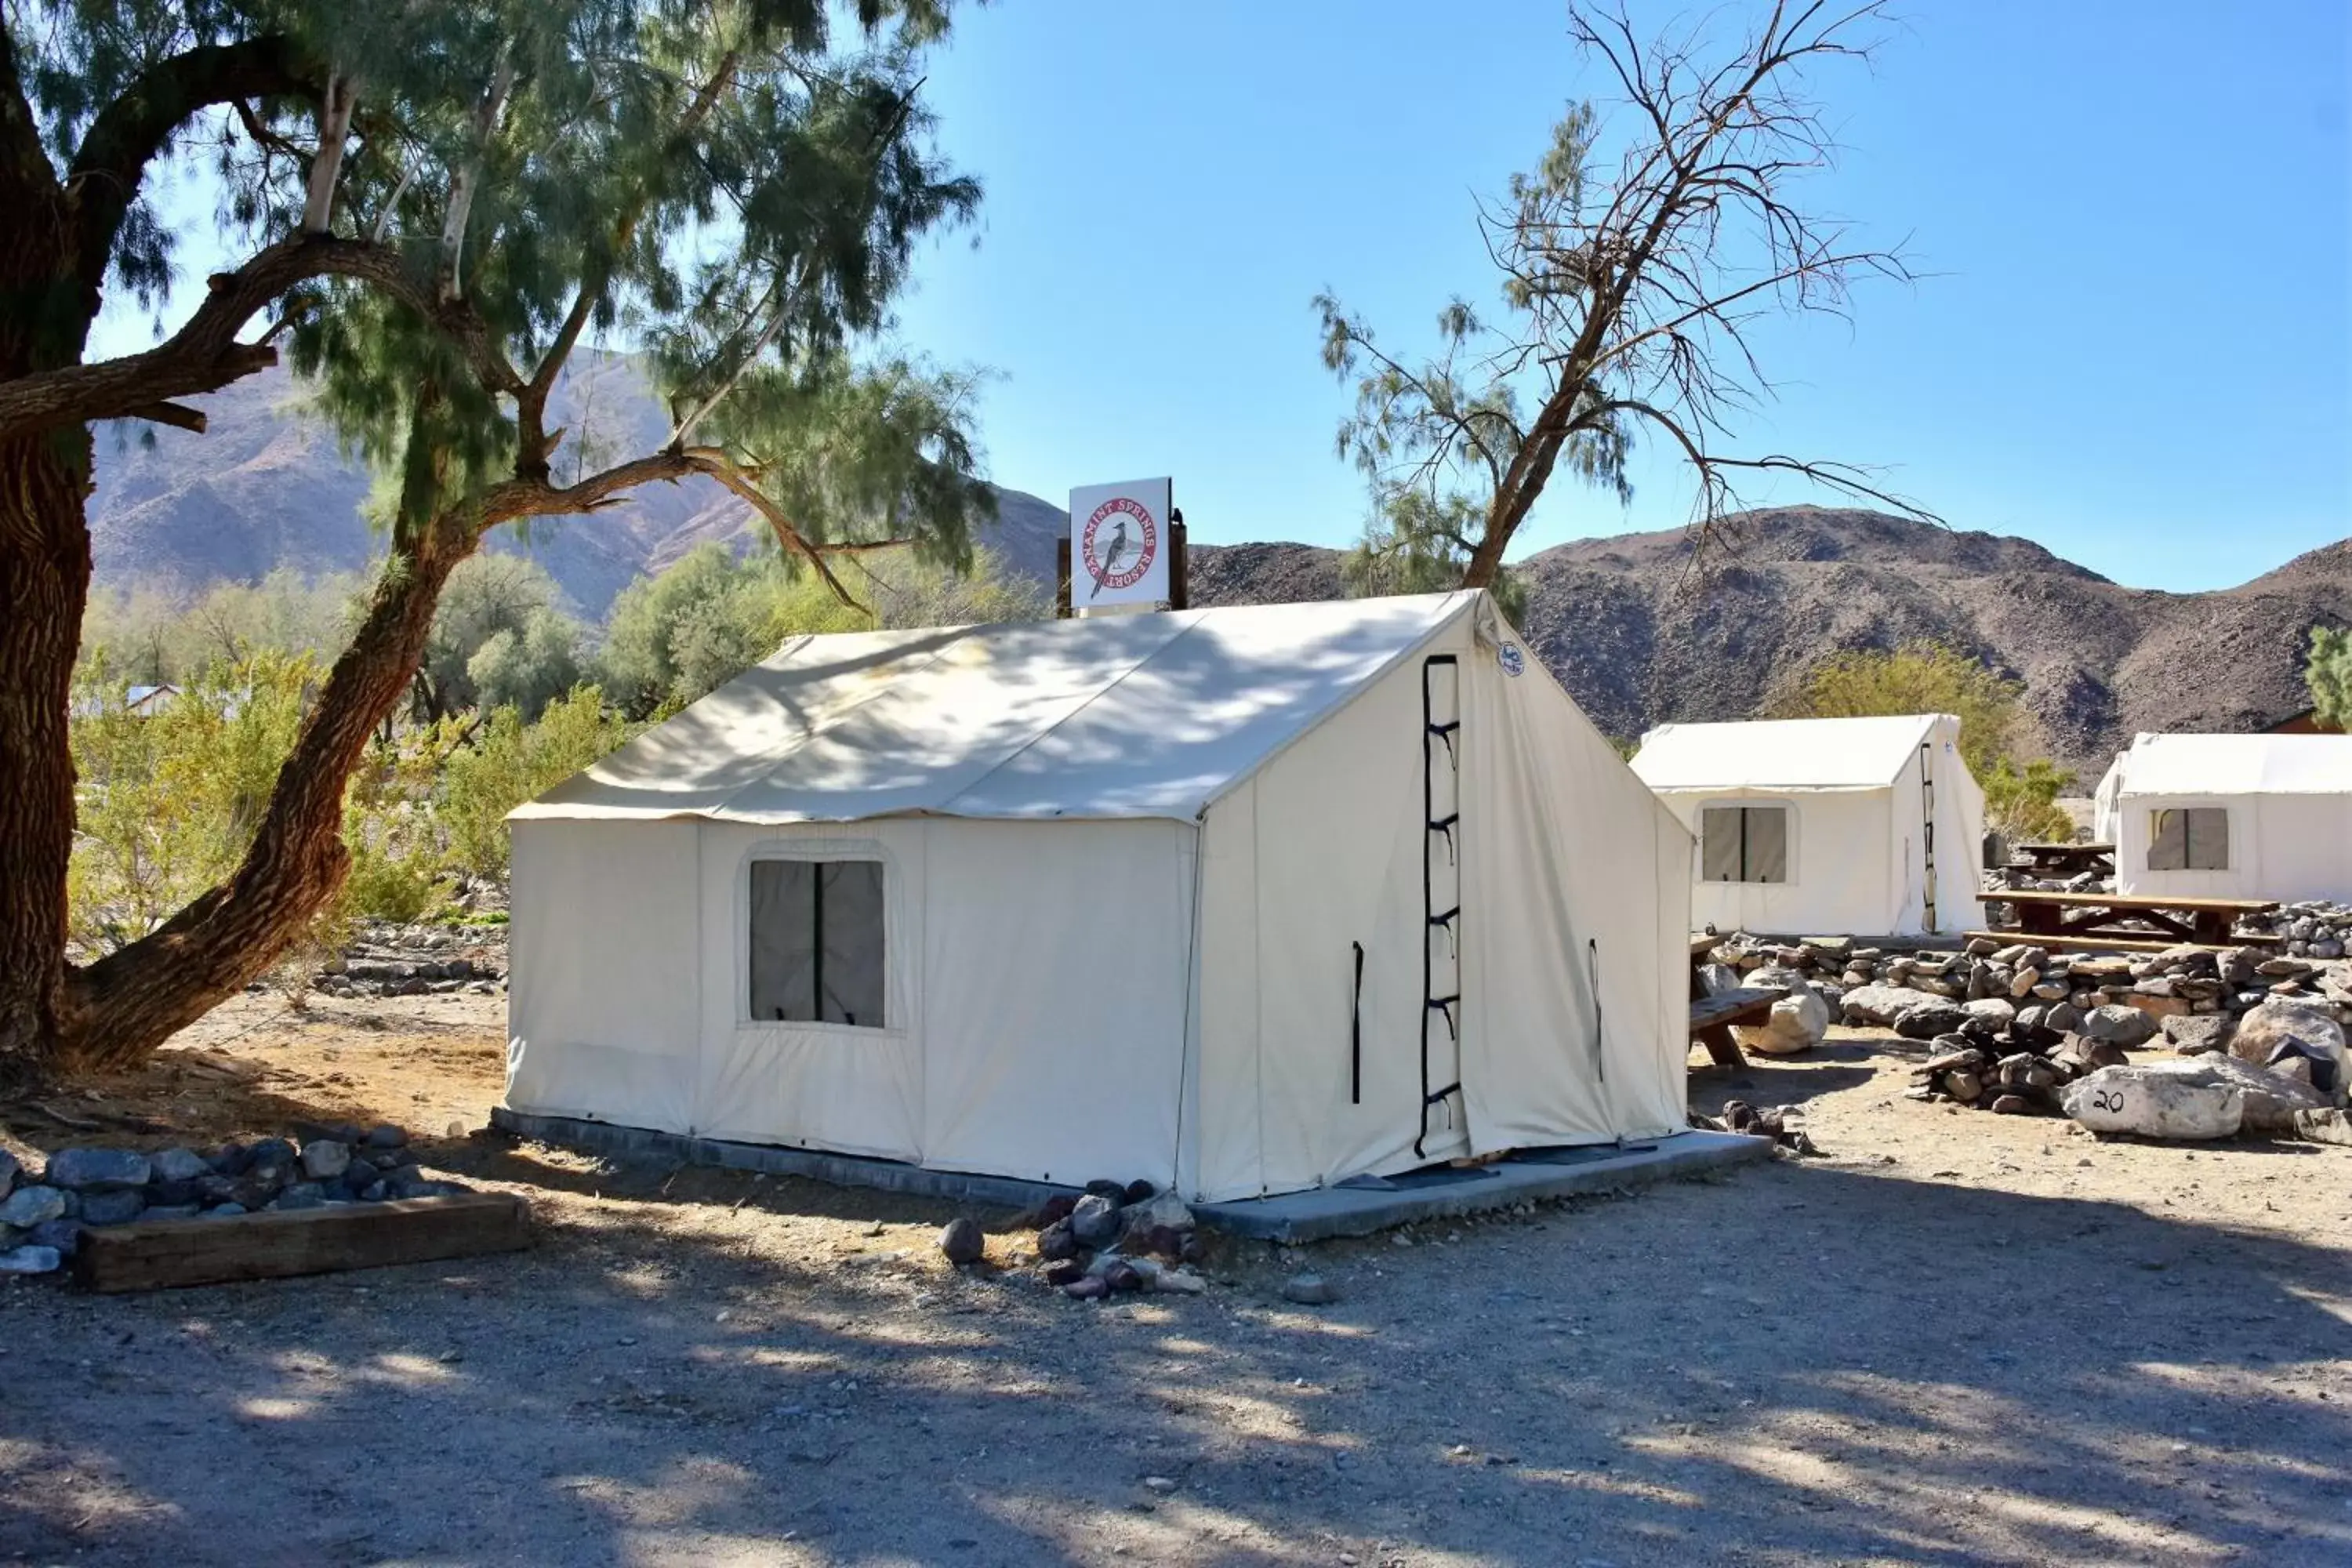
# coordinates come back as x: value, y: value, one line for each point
x: 1435, y: 825
x: 1592, y: 967
x: 1356, y: 1034
x: 1927, y: 793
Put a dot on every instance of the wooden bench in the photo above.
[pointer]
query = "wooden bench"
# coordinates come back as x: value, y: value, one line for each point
x: 2042, y: 917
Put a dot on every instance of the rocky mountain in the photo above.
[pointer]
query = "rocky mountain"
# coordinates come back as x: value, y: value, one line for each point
x: 1634, y: 627
x: 1642, y: 633
x: 269, y: 485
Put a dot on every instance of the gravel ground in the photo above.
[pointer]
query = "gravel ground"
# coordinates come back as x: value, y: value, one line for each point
x: 1958, y: 1339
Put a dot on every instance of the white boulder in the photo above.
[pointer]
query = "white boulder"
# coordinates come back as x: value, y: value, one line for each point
x: 2153, y: 1105
x: 2281, y: 1029
x: 1797, y: 1023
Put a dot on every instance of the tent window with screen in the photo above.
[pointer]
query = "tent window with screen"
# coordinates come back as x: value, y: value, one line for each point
x: 1745, y: 843
x: 2189, y: 838
x: 817, y: 942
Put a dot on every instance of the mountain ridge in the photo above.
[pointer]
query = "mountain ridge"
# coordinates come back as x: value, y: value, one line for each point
x: 1635, y: 628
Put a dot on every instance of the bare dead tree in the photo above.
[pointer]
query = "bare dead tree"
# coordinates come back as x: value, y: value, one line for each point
x: 1632, y: 286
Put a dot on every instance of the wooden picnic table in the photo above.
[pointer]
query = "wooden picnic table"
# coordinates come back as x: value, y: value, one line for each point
x: 1712, y: 1016
x: 2063, y: 859
x: 2111, y: 915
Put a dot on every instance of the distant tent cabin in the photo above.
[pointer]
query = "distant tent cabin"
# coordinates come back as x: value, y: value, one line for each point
x: 1241, y: 900
x: 1870, y: 825
x: 2231, y: 816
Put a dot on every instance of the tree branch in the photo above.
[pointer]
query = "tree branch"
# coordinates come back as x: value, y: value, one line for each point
x: 137, y: 127
x: 204, y: 355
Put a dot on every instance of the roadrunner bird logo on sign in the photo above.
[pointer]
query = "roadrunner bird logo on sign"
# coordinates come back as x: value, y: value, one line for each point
x: 1118, y: 543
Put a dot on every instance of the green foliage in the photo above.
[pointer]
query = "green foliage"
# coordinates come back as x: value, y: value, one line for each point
x: 1917, y: 678
x: 528, y: 669
x: 2022, y: 803
x: 499, y: 635
x: 676, y: 636
x: 147, y: 638
x: 2328, y: 674
x: 2021, y: 799
x: 736, y: 187
x: 167, y: 801
x: 1415, y: 544
x: 509, y: 762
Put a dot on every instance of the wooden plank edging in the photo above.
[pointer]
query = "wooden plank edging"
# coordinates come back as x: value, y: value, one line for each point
x: 282, y: 1243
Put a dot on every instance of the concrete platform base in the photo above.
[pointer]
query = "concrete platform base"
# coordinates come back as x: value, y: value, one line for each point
x: 1363, y: 1207
x: 841, y: 1169
x: 1358, y: 1207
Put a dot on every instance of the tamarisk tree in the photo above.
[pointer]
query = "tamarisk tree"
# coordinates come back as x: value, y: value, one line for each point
x: 1630, y: 283
x: 443, y: 204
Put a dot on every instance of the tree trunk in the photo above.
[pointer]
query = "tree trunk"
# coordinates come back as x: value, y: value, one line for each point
x: 44, y: 581
x: 124, y: 1005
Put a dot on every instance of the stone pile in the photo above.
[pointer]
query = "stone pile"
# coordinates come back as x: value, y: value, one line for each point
x: 1114, y: 1238
x: 388, y: 960
x: 2010, y: 1027
x: 2314, y: 928
x: 42, y: 1222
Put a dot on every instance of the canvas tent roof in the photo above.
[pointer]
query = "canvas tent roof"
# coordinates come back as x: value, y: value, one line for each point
x: 1781, y: 753
x: 2237, y: 764
x: 1002, y: 720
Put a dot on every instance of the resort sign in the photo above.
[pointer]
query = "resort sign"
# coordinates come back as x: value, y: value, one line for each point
x: 1119, y: 543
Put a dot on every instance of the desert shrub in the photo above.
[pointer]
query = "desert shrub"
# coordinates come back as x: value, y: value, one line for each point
x: 507, y: 763
x: 2020, y: 797
x: 501, y: 618
x: 2022, y: 803
x: 2328, y: 674
x: 167, y: 799
x: 146, y: 636
x: 675, y: 637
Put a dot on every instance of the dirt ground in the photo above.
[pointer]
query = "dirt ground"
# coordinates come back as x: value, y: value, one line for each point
x: 1956, y: 1339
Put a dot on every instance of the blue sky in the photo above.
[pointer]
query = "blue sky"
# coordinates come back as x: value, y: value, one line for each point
x: 2135, y: 344
x: 2134, y: 350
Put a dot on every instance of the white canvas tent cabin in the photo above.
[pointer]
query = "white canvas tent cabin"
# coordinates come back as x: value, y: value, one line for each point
x: 2234, y: 816
x: 1241, y: 900
x: 1866, y: 825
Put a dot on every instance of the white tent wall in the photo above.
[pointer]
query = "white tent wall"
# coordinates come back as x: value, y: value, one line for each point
x: 1058, y: 990
x: 2283, y: 846
x: 1574, y: 870
x: 1843, y: 874
x: 603, y: 973
x: 1036, y: 979
x: 1960, y: 839
x: 1318, y: 850
x: 1561, y: 849
x: 1960, y: 901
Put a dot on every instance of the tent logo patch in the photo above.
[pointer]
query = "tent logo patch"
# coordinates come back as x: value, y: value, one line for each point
x: 1119, y: 543
x: 1513, y: 661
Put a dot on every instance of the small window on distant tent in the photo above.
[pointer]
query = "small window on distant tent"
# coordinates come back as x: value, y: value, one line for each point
x: 1744, y: 844
x: 817, y: 942
x: 2189, y: 838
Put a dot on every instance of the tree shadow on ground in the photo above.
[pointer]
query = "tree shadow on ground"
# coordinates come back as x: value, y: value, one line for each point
x: 1798, y: 1364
